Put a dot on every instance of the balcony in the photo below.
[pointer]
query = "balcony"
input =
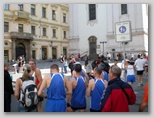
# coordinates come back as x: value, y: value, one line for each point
x: 21, y: 15
x: 21, y: 35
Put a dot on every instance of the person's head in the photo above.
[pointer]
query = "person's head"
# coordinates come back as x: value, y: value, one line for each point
x: 78, y: 68
x: 101, y: 66
x: 54, y: 68
x: 6, y: 66
x: 26, y: 72
x: 97, y: 71
x: 32, y: 63
x: 115, y: 62
x: 127, y: 62
x: 114, y: 72
x: 139, y: 56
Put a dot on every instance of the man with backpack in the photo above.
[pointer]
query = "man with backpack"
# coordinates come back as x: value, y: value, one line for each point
x: 26, y: 91
x: 37, y: 78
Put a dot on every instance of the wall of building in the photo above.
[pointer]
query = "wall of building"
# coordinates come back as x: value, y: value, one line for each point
x: 39, y: 40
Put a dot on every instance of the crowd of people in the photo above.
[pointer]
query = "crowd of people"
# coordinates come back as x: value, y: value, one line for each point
x: 106, y: 85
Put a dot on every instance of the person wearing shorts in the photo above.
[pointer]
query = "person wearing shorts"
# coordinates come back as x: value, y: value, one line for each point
x: 130, y: 78
x: 139, y: 64
x: 76, y: 99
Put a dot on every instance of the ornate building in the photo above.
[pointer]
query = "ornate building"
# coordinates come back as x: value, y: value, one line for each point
x: 93, y: 28
x: 38, y: 31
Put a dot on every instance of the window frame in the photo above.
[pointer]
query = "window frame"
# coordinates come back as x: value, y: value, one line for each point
x: 6, y: 6
x: 33, y: 30
x: 20, y: 29
x: 53, y: 15
x: 6, y: 27
x: 90, y: 10
x: 43, y: 12
x: 33, y: 7
x: 44, y: 31
x: 64, y: 17
x: 64, y: 34
x: 54, y: 33
x: 123, y: 9
x: 20, y: 7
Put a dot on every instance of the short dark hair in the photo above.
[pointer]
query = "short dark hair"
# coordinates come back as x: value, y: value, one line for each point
x: 54, y: 66
x: 78, y: 68
x: 139, y: 56
x: 33, y: 60
x: 98, y: 70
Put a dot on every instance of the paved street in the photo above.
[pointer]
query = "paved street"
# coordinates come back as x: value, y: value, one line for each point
x: 44, y: 67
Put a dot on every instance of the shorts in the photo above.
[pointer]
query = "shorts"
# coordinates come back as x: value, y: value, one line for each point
x: 91, y: 110
x: 75, y: 108
x: 40, y: 99
x: 131, y: 78
x: 139, y: 72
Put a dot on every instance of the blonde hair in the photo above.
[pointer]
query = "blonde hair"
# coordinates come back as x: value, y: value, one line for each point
x: 26, y: 74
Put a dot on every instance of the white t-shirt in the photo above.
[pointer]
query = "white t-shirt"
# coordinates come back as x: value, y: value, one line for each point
x: 139, y: 64
x: 130, y: 70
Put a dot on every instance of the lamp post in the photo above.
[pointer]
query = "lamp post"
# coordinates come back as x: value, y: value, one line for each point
x: 103, y: 45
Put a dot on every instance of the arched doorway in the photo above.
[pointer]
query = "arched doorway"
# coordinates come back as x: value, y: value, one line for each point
x: 92, y: 47
x: 20, y: 50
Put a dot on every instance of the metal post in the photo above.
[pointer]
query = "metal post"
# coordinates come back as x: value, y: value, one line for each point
x: 103, y: 48
x: 124, y: 52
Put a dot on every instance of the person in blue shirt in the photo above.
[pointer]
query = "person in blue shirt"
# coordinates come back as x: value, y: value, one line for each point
x: 56, y: 85
x: 95, y: 90
x: 104, y: 74
x: 76, y: 99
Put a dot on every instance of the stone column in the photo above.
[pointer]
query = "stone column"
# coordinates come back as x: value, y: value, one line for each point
x: 14, y: 49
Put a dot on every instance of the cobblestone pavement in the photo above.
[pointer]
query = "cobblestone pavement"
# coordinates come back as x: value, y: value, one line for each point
x: 44, y: 67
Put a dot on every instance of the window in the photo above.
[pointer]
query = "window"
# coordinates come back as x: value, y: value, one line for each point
x: 6, y: 6
x: 33, y: 9
x: 20, y: 7
x: 44, y: 31
x: 123, y: 8
x: 53, y: 15
x: 54, y: 32
x: 64, y: 17
x: 20, y: 28
x: 6, y: 26
x: 33, y: 54
x: 33, y: 30
x: 44, y: 12
x: 92, y: 11
x: 64, y: 34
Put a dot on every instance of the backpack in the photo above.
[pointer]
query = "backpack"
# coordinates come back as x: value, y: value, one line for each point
x: 28, y: 95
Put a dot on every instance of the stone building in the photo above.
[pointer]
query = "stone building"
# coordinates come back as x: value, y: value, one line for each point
x: 38, y: 31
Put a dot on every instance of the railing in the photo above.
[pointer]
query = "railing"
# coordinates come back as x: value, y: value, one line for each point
x: 21, y: 35
x: 21, y: 14
x: 84, y: 53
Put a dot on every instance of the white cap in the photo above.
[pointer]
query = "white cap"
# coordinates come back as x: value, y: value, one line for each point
x: 77, y: 63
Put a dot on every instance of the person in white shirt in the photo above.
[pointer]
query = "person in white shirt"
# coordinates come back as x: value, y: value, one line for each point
x: 139, y: 64
x: 88, y: 68
x: 130, y: 77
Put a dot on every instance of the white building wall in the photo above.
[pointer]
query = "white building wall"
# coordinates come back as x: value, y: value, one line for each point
x: 138, y: 19
x: 104, y: 27
x: 84, y: 29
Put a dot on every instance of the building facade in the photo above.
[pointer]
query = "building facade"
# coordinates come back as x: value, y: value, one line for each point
x: 92, y: 28
x: 38, y: 31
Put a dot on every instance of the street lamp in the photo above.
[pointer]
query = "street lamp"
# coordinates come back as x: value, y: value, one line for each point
x: 103, y: 45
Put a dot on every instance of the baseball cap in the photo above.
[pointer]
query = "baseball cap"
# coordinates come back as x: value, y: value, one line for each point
x: 77, y: 63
